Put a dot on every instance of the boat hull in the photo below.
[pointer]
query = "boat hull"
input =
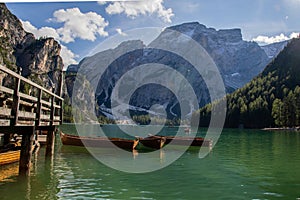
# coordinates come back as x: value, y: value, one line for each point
x: 98, y: 142
x: 9, y: 157
x: 187, y: 141
x: 153, y: 142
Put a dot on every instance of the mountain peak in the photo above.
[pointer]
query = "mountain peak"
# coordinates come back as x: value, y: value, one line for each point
x: 286, y: 64
x: 129, y: 43
x: 194, y: 29
x: 232, y: 35
x: 188, y: 25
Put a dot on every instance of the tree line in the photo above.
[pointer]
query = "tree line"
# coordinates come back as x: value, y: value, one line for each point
x: 272, y: 99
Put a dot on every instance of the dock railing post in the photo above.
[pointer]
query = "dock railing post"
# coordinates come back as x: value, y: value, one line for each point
x: 52, y: 111
x: 39, y: 108
x: 16, y: 100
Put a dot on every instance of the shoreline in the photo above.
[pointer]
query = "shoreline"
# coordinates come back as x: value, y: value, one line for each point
x: 282, y: 129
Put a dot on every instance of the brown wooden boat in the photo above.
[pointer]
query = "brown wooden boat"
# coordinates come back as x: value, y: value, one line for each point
x: 97, y: 141
x: 154, y: 142
x: 9, y: 157
x: 12, y: 154
x: 187, y: 141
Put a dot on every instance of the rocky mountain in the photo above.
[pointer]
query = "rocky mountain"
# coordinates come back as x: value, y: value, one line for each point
x: 272, y: 50
x: 237, y: 60
x: 271, y: 99
x: 38, y: 59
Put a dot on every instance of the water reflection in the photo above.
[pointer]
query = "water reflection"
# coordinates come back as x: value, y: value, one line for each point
x: 243, y: 165
x: 8, y: 171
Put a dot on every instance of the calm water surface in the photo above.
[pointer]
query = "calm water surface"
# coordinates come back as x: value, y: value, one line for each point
x: 245, y: 164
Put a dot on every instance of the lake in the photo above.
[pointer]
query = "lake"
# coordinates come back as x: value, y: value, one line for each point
x: 245, y: 164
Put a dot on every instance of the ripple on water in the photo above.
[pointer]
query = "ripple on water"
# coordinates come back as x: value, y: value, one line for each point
x: 244, y: 165
x: 273, y: 194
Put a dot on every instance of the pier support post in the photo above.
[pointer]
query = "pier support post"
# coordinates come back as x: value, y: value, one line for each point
x: 26, y: 152
x: 50, y: 141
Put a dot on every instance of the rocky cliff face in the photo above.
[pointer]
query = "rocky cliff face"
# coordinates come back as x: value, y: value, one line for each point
x: 38, y: 58
x: 237, y: 60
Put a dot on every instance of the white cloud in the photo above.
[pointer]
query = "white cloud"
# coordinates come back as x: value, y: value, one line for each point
x: 86, y: 26
x: 120, y: 32
x: 292, y: 2
x: 67, y: 55
x: 142, y: 7
x: 79, y: 25
x: 102, y: 2
x: 278, y: 38
x: 42, y: 32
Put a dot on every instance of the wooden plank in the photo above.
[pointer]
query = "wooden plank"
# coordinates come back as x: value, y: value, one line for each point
x: 6, y: 90
x: 5, y: 111
x: 14, y: 74
x: 4, y: 122
x: 33, y: 105
x: 57, y: 106
x: 28, y: 97
x: 25, y: 123
x: 29, y: 115
x: 46, y: 103
x: 45, y: 117
x: 45, y: 108
x: 43, y: 123
x: 25, y: 103
x: 56, y: 118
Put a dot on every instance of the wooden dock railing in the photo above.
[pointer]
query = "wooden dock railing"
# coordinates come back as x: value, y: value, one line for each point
x: 26, y: 107
x: 25, y: 103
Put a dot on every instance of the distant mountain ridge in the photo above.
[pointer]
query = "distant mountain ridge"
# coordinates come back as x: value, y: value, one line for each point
x: 271, y: 99
x: 238, y: 61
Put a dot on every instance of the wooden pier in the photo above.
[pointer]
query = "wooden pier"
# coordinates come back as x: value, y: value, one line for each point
x: 25, y: 108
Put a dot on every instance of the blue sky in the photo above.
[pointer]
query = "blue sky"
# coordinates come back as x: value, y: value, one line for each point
x: 81, y: 26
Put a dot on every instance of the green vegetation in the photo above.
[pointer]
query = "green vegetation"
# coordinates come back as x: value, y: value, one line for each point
x: 6, y: 53
x: 271, y: 99
x: 147, y: 119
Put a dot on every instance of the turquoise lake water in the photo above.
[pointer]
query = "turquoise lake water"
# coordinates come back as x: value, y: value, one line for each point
x: 245, y: 164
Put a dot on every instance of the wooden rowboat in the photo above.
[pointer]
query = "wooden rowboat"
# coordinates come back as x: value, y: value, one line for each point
x: 153, y: 142
x: 158, y: 141
x: 9, y: 157
x: 188, y: 141
x: 13, y: 154
x: 97, y: 141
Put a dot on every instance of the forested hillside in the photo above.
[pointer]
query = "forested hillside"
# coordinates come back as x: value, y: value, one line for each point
x: 272, y: 99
